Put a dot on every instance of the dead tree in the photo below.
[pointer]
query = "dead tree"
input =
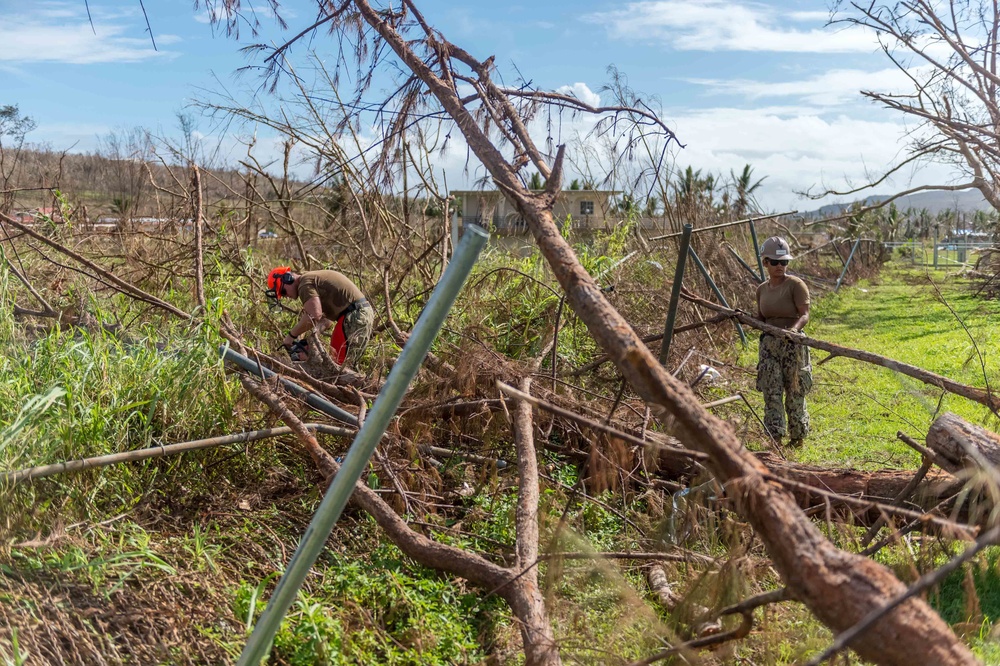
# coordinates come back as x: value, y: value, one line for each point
x: 948, y: 52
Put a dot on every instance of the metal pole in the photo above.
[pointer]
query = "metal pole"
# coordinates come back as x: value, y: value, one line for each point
x: 935, y: 247
x: 725, y: 224
x: 42, y: 471
x: 744, y: 264
x: 847, y: 263
x: 454, y: 228
x: 316, y: 402
x: 426, y: 329
x: 756, y: 251
x: 716, y: 290
x: 675, y: 294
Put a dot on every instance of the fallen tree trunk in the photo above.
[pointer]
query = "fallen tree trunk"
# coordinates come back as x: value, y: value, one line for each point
x: 961, y: 445
x: 877, y: 486
x: 883, y: 486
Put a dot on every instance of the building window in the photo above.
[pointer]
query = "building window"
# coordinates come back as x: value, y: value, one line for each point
x: 586, y: 208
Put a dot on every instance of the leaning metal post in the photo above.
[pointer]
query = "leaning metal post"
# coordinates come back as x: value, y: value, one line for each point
x: 716, y: 290
x: 847, y: 263
x: 756, y: 250
x: 426, y: 329
x: 42, y: 471
x: 675, y: 294
x: 742, y: 263
x: 315, y: 401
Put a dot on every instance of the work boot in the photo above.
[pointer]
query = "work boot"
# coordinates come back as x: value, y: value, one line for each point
x: 795, y: 442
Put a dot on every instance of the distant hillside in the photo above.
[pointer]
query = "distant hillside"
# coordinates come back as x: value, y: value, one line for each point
x: 965, y: 201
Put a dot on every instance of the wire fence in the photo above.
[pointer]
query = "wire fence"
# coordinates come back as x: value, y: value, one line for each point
x: 940, y: 255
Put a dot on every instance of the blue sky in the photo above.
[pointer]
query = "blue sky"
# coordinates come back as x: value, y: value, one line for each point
x: 764, y: 83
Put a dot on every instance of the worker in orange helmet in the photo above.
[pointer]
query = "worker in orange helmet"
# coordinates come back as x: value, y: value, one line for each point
x: 328, y: 298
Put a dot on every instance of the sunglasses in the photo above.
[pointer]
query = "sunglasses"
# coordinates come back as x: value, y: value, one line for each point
x: 777, y: 262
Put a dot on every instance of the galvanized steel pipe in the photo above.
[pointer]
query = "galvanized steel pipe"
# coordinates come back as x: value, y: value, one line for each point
x: 316, y: 402
x: 405, y: 368
x: 41, y: 471
x: 716, y: 290
x: 675, y: 294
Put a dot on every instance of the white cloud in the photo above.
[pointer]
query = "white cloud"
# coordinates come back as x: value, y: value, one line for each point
x: 811, y: 17
x: 796, y: 151
x: 582, y: 92
x: 718, y: 25
x: 61, y: 32
x: 832, y: 88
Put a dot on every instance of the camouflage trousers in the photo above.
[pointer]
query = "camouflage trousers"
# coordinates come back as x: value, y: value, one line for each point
x: 358, y: 327
x: 784, y: 372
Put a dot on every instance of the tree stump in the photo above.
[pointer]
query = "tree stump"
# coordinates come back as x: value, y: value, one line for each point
x: 962, y: 445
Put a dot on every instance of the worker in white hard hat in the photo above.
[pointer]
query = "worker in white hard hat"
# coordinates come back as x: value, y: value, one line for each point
x: 784, y: 371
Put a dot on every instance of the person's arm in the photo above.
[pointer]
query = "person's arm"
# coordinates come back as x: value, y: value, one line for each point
x: 312, y: 316
x: 800, y: 296
x: 800, y: 323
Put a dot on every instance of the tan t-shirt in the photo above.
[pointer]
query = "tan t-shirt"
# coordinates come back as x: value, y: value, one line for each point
x: 335, y: 291
x: 779, y: 305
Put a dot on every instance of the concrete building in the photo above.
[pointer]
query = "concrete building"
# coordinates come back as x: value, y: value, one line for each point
x: 588, y: 209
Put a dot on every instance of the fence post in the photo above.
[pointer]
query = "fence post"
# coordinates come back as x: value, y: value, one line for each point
x: 742, y: 263
x: 716, y: 290
x: 756, y: 251
x: 313, y: 541
x: 675, y: 294
x: 847, y: 263
x: 454, y: 230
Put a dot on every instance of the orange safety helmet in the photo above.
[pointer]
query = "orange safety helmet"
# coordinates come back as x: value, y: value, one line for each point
x: 276, y: 281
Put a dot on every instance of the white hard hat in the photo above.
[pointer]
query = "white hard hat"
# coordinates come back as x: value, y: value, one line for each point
x: 775, y: 247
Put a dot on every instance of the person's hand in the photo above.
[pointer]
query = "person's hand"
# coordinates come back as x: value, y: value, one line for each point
x: 794, y: 333
x: 288, y: 342
x: 297, y: 352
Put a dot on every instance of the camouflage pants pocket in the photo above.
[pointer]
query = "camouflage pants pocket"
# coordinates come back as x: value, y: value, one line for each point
x: 768, y: 374
x: 358, y: 327
x: 804, y: 370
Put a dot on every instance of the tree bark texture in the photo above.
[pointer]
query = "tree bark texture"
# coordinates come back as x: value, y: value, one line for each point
x: 536, y: 632
x: 963, y: 445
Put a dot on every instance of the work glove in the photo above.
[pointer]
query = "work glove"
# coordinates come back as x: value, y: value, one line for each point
x: 298, y: 350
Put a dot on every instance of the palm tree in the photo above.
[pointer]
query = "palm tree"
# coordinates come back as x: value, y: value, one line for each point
x: 745, y: 187
x: 694, y: 193
x: 652, y: 204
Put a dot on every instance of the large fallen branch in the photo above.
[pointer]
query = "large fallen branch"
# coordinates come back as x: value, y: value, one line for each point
x: 840, y: 588
x: 516, y: 587
x: 982, y: 396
